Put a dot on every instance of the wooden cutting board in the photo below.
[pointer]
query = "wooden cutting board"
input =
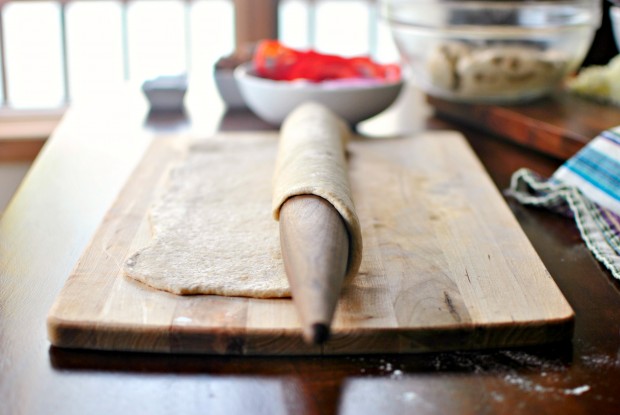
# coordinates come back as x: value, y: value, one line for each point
x: 446, y: 266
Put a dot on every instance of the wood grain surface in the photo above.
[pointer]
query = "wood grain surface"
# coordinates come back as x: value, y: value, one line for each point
x: 72, y: 184
x: 446, y: 266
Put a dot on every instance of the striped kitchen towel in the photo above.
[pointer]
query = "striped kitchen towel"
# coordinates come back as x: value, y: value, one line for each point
x: 587, y: 188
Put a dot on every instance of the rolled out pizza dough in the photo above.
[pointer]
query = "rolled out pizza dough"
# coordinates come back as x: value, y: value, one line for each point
x: 311, y: 160
x: 213, y: 230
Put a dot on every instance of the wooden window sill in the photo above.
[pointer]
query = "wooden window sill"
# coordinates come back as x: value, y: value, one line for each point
x: 23, y: 133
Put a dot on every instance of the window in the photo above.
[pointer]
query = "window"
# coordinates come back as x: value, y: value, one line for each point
x: 53, y: 52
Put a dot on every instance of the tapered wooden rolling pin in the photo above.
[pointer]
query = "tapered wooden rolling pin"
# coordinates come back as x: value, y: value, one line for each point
x: 315, y: 250
x: 320, y: 235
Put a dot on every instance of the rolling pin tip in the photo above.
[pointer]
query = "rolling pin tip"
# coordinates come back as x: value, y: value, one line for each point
x: 320, y: 333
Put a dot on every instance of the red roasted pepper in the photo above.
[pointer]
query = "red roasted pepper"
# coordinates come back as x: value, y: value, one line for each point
x: 275, y: 61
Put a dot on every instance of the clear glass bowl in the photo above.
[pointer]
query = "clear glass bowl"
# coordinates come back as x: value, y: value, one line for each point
x: 491, y: 50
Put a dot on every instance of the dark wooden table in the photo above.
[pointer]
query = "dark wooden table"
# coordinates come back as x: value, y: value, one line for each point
x: 76, y: 178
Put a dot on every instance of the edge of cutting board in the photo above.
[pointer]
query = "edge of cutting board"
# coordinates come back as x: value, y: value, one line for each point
x: 165, y: 339
x: 82, y: 318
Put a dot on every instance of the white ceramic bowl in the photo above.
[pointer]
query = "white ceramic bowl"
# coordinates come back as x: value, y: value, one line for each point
x: 354, y: 101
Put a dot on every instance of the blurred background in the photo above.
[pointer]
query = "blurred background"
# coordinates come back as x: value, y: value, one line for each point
x: 55, y: 51
x: 59, y: 51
